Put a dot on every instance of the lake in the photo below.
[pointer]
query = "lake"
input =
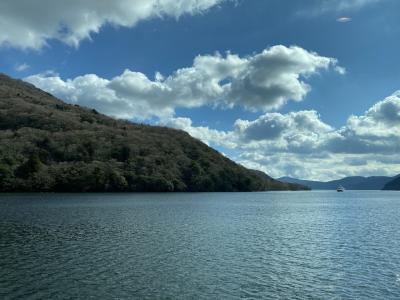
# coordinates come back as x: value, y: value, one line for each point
x: 289, y: 245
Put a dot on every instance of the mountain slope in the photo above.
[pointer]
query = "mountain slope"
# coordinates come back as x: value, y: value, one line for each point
x: 393, y: 185
x: 289, y: 186
x: 48, y: 145
x: 350, y: 183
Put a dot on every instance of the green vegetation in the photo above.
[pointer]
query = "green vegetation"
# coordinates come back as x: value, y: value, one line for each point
x: 48, y: 145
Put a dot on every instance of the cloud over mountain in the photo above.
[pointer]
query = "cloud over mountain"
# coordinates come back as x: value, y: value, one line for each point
x: 296, y: 143
x: 260, y: 82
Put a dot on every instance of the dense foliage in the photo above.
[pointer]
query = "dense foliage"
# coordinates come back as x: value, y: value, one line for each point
x: 48, y: 145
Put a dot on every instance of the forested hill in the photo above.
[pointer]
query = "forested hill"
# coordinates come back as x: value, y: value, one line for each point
x: 48, y: 145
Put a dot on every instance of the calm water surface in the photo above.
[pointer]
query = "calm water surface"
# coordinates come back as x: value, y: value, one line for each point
x: 288, y: 245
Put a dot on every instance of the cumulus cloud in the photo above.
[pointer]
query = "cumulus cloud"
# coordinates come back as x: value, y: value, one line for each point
x: 203, y: 133
x: 272, y: 126
x: 377, y: 131
x: 300, y: 144
x: 259, y: 82
x: 21, y: 67
x: 300, y: 132
x: 276, y: 74
x: 385, y: 113
x: 29, y: 24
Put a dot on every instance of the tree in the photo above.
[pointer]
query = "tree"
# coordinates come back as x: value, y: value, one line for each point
x: 5, y: 176
x: 31, y: 166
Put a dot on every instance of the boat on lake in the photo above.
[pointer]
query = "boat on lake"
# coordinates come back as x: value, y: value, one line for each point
x: 340, y: 189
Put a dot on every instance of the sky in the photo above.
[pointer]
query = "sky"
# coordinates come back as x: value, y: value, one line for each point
x: 304, y: 88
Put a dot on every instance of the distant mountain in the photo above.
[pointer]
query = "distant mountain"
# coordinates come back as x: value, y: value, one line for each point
x: 288, y: 186
x: 393, y: 184
x: 48, y: 145
x: 349, y: 183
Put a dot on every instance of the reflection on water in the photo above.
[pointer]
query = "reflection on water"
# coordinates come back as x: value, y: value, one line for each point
x: 201, y: 246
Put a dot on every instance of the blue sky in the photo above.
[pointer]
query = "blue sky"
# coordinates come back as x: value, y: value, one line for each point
x: 167, y: 37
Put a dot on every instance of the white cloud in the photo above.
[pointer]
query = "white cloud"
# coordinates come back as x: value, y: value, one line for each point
x: 366, y: 145
x: 377, y: 131
x: 340, y: 70
x: 276, y: 75
x: 273, y: 126
x: 300, y: 144
x: 203, y: 133
x: 342, y: 5
x: 29, y: 24
x: 320, y: 7
x: 295, y: 132
x: 92, y: 91
x: 385, y: 113
x: 21, y: 67
x: 313, y: 168
x: 260, y: 82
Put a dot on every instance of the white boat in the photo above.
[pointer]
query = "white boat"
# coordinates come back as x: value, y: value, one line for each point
x: 340, y: 189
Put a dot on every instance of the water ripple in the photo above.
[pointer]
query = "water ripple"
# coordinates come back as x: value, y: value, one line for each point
x: 317, y: 245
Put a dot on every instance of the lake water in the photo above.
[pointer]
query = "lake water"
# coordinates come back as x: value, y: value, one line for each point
x: 288, y: 245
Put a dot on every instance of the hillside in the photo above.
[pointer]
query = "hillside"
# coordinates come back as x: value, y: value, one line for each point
x: 393, y: 185
x: 288, y: 185
x: 350, y: 183
x: 48, y: 145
